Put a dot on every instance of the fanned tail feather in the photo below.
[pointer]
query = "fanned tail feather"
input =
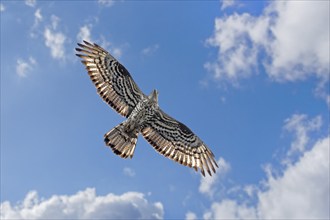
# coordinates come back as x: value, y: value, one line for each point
x: 121, y: 142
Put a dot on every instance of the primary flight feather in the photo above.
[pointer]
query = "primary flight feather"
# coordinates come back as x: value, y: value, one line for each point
x: 168, y: 136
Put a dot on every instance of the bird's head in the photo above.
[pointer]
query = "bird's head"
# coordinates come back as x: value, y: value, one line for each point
x: 153, y: 97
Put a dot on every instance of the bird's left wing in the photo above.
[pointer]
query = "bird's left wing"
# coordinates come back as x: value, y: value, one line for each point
x: 176, y: 141
x: 113, y: 82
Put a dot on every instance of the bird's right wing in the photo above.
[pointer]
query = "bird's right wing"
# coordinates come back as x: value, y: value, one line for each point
x: 113, y: 82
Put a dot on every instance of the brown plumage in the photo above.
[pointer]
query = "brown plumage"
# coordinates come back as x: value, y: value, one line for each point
x: 168, y: 136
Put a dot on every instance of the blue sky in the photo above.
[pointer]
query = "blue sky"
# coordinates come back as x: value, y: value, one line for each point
x: 251, y: 79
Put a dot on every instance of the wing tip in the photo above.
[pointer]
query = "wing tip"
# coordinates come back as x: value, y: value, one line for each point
x: 87, y: 43
x: 79, y: 49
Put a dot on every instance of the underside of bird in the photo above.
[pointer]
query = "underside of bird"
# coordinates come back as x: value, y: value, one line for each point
x: 168, y: 136
x: 122, y: 138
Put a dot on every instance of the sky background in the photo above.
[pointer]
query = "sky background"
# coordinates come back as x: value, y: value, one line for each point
x: 250, y: 78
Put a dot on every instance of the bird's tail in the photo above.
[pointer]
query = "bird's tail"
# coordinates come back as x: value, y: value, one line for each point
x: 121, y: 142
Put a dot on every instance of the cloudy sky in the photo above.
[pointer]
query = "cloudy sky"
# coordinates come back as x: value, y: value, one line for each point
x: 250, y: 78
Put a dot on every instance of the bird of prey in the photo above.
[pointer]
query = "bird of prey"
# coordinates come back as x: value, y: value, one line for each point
x: 168, y: 136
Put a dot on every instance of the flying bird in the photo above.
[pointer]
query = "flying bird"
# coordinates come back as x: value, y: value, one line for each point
x: 168, y: 136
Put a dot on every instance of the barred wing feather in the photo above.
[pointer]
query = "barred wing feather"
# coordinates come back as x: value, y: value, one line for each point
x: 113, y: 82
x: 176, y: 141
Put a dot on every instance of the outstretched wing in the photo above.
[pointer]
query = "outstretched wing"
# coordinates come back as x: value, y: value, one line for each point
x: 113, y: 82
x: 176, y: 141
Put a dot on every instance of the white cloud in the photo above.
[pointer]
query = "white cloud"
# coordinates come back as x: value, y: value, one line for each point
x: 150, y: 50
x: 24, y: 67
x: 191, y: 216
x: 208, y: 184
x: 301, y: 191
x: 301, y: 126
x: 30, y: 3
x: 237, y: 37
x: 230, y: 209
x: 117, y: 52
x: 84, y: 33
x: 38, y: 16
x: 291, y: 36
x: 129, y: 172
x: 37, y: 19
x: 54, y: 21
x: 107, y: 3
x: 301, y: 42
x: 250, y: 190
x: 2, y: 7
x: 83, y: 205
x: 227, y: 3
x: 55, y: 40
